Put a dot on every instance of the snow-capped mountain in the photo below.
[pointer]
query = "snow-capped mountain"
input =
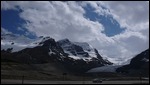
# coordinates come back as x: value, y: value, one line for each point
x: 18, y: 43
x: 78, y: 57
x: 43, y: 50
x: 77, y: 50
x: 81, y: 50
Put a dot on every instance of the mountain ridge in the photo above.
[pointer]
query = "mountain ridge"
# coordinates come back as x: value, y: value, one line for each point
x: 46, y: 50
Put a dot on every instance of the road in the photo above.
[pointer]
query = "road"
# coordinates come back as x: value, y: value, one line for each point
x: 3, y: 81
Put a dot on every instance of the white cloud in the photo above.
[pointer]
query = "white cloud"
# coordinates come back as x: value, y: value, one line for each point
x: 5, y: 5
x: 65, y: 20
x: 129, y: 13
x: 20, y: 29
x: 5, y: 31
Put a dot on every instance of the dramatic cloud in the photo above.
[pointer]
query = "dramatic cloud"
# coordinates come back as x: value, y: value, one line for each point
x: 66, y: 20
x: 133, y: 14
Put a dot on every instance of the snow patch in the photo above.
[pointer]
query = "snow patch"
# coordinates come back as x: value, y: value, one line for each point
x: 74, y: 57
x: 145, y: 59
x: 51, y: 52
x: 84, y: 45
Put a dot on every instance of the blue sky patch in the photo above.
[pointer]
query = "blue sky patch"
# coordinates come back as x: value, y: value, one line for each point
x: 112, y: 27
x: 10, y: 20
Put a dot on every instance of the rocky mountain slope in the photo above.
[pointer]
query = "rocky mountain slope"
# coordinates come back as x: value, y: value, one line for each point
x: 74, y: 56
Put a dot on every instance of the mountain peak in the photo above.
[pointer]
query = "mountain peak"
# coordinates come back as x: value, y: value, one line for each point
x: 84, y: 45
x: 81, y: 50
x: 64, y: 41
x: 47, y: 41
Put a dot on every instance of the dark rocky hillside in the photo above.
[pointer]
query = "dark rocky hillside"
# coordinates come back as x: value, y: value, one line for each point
x: 139, y: 65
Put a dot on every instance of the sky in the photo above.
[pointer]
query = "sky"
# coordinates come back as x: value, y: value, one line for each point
x: 118, y: 29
